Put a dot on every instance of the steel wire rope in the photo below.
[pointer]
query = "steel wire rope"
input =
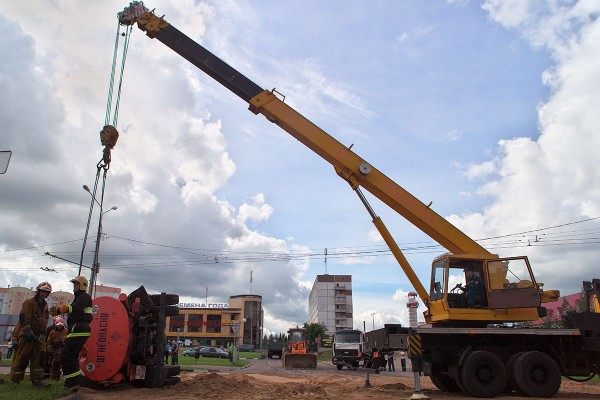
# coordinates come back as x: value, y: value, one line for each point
x: 89, y: 220
x: 112, y: 76
x: 104, y: 163
x: 123, y: 59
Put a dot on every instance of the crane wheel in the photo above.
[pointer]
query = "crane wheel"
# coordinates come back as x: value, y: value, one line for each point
x: 536, y: 374
x: 442, y: 380
x: 483, y: 374
x: 510, y: 374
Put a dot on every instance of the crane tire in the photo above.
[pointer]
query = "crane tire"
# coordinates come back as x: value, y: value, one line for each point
x: 510, y: 374
x: 536, y: 374
x: 483, y: 374
x: 442, y: 381
x: 171, y: 299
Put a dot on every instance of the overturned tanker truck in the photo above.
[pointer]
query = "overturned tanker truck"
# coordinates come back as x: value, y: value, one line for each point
x: 128, y: 339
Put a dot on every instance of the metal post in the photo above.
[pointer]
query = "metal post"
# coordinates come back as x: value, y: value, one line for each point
x: 373, y: 315
x: 95, y: 265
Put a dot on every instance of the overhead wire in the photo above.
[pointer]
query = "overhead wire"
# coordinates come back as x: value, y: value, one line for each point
x: 209, y: 256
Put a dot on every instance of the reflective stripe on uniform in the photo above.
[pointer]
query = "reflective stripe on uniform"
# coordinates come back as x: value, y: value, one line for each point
x: 70, y: 309
x: 88, y: 310
x: 78, y: 334
x: 73, y: 375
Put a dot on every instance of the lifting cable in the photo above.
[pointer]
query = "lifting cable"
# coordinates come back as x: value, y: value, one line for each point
x: 109, y: 134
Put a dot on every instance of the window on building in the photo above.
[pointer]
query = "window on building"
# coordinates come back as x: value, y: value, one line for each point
x: 176, y: 321
x: 213, y: 324
x: 194, y: 323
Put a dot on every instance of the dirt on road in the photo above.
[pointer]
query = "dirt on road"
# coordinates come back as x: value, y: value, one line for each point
x: 243, y: 386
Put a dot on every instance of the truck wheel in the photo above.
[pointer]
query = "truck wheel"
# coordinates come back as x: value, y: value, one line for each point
x: 510, y: 374
x: 339, y: 367
x: 536, y: 374
x: 169, y: 311
x: 442, y: 380
x: 171, y: 299
x: 172, y: 370
x: 483, y: 374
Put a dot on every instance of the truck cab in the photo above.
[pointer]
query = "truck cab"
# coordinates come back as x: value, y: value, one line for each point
x: 347, y: 348
x: 484, y: 289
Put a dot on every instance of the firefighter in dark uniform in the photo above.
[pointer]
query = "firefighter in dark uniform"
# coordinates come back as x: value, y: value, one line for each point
x: 79, y: 316
x: 33, y: 320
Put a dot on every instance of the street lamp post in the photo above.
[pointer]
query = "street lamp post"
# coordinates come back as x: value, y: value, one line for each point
x: 96, y: 264
x: 251, y: 323
x: 235, y: 326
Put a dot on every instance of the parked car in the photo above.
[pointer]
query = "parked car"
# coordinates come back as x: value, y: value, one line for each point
x: 213, y: 352
x: 189, y: 353
x: 246, y: 347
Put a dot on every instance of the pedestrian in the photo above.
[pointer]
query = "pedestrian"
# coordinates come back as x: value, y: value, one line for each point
x: 14, y: 339
x: 33, y: 320
x: 174, y: 353
x: 230, y: 350
x: 403, y: 360
x: 384, y: 361
x: 197, y: 353
x: 391, y: 366
x: 79, y: 316
x: 167, y: 352
x: 54, y: 347
x: 12, y: 347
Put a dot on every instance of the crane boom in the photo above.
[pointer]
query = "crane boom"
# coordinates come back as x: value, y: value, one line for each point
x: 347, y: 164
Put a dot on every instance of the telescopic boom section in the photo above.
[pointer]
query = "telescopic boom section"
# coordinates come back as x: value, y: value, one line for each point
x: 347, y: 164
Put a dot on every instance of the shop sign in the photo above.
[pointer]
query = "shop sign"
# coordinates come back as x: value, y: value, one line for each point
x: 203, y: 305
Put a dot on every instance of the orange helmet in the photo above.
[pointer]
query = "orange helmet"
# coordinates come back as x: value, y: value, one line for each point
x: 45, y: 286
x: 59, y: 321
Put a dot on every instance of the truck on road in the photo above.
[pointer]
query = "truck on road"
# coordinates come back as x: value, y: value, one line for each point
x: 347, y: 349
x: 275, y: 349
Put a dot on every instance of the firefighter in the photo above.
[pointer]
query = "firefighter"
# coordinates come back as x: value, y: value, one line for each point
x: 79, y: 316
x: 33, y: 320
x: 45, y: 354
x: 56, y: 339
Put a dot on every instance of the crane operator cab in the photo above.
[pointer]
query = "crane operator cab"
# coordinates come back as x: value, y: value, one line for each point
x: 465, y: 289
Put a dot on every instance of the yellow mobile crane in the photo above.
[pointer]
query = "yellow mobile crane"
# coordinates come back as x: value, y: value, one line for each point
x: 456, y: 349
x: 511, y: 291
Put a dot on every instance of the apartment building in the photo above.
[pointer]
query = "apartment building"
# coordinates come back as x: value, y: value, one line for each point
x: 330, y: 302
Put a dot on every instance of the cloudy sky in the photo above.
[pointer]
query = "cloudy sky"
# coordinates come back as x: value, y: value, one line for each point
x: 488, y: 109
